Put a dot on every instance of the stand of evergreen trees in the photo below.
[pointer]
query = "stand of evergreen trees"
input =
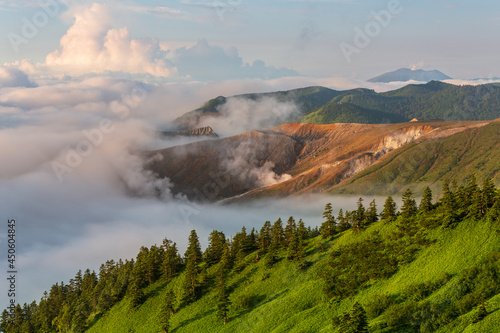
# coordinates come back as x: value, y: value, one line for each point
x: 69, y: 307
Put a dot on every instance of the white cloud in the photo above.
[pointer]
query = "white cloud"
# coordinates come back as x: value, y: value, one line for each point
x: 89, y: 46
x: 210, y: 62
x: 13, y: 77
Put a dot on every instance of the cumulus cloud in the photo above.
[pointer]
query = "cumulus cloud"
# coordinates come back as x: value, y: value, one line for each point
x: 14, y: 77
x: 90, y: 46
x: 210, y: 62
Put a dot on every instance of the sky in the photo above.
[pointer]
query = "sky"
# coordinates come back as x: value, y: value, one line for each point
x: 228, y: 39
x: 83, y: 83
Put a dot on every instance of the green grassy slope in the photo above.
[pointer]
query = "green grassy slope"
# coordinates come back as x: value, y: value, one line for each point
x: 335, y: 112
x: 286, y: 299
x: 434, y: 100
x: 429, y: 162
x: 307, y: 99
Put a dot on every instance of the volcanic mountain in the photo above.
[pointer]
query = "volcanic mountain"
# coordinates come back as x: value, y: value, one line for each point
x: 407, y: 74
x: 337, y: 158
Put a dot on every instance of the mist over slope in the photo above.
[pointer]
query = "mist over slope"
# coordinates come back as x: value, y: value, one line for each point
x: 305, y: 158
x: 433, y: 100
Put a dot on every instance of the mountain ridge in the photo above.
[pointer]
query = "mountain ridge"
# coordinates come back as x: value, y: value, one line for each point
x: 432, y: 100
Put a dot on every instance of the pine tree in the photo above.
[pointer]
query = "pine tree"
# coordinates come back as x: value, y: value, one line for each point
x: 343, y: 223
x: 494, y: 211
x: 293, y: 247
x: 471, y: 189
x: 328, y: 227
x: 302, y: 230
x: 265, y: 237
x: 359, y: 216
x: 271, y: 257
x: 475, y: 208
x: 409, y: 207
x: 139, y: 273
x: 215, y: 248
x: 426, y: 201
x: 371, y: 213
x: 171, y: 259
x: 193, y: 252
x: 488, y: 191
x: 449, y: 206
x: 277, y: 234
x: 290, y: 228
x: 358, y: 320
x: 166, y: 311
x: 389, y: 211
x: 223, y: 304
x: 226, y: 261
x: 191, y: 285
x: 136, y: 294
x: 193, y: 258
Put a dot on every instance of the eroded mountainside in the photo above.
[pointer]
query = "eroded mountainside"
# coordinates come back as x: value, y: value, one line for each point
x: 306, y: 158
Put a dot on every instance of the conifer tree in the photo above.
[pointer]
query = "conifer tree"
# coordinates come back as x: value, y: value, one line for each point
x: 265, y: 237
x: 191, y: 285
x: 215, y: 248
x: 226, y: 261
x: 475, y: 209
x: 488, y: 191
x: 171, y: 259
x: 193, y: 257
x: 343, y: 223
x: 389, y: 211
x: 166, y: 311
x: 277, y: 234
x: 471, y: 189
x: 136, y: 294
x: 358, y: 320
x: 409, y: 207
x: 448, y: 206
x: 223, y: 304
x: 359, y: 216
x: 271, y: 256
x: 301, y: 228
x: 371, y: 213
x: 139, y: 273
x: 328, y: 227
x: 290, y: 228
x: 426, y: 201
x: 193, y: 252
x: 494, y: 211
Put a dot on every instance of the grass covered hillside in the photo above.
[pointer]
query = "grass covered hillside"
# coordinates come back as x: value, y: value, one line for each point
x: 426, y: 267
x: 336, y: 112
x: 320, y: 105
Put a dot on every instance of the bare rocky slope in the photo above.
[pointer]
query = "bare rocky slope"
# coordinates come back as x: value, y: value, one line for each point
x: 294, y: 158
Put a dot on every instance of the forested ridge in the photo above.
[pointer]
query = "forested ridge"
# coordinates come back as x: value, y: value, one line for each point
x: 349, y: 255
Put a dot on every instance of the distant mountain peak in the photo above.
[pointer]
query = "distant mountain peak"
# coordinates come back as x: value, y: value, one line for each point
x: 407, y: 74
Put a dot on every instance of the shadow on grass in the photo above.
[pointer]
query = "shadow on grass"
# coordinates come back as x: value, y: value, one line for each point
x: 189, y: 321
